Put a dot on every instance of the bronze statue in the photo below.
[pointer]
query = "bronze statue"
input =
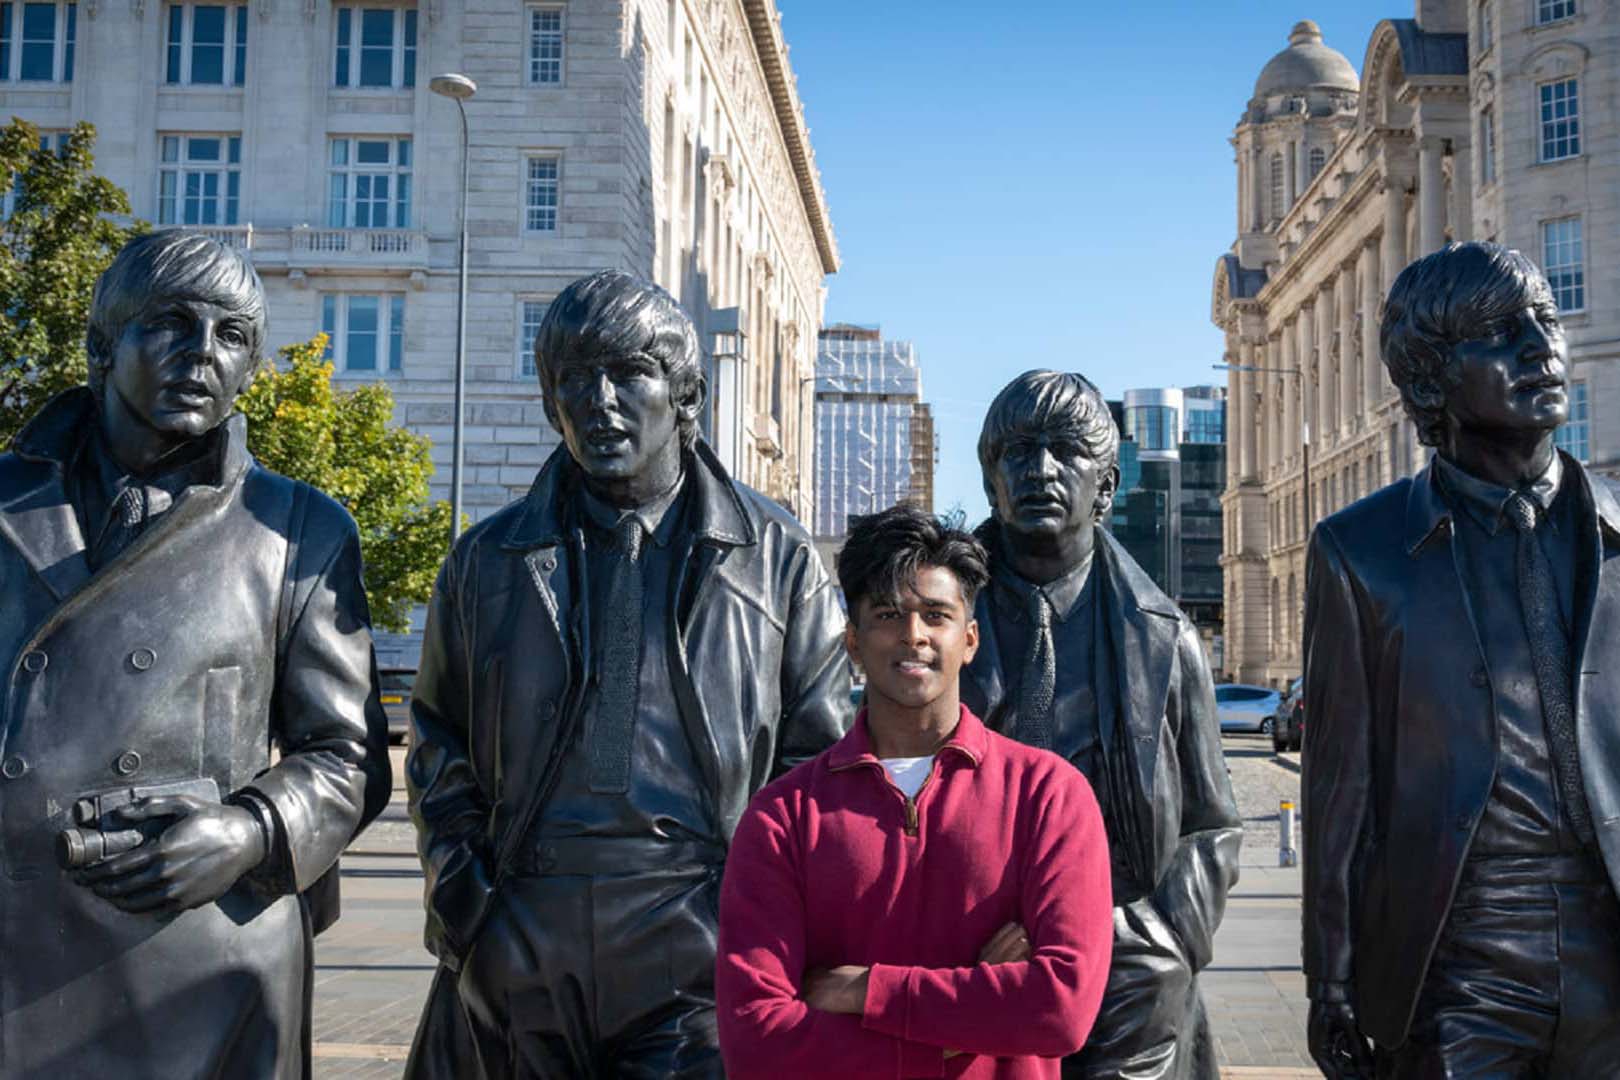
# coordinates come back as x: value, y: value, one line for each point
x: 612, y: 666
x: 1462, y: 782
x: 1082, y: 654
x: 172, y: 612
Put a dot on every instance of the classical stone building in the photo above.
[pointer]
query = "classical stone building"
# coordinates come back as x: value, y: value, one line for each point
x: 1477, y: 119
x: 660, y: 136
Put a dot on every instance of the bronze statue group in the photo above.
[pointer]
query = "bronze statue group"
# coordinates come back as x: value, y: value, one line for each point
x: 657, y: 839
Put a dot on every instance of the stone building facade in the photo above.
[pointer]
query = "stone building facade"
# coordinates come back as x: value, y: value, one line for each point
x: 1476, y: 119
x: 660, y: 136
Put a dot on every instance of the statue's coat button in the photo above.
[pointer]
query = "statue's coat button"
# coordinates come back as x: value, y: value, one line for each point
x: 35, y: 662
x: 14, y: 767
x: 128, y: 763
x: 142, y: 658
x: 1479, y: 678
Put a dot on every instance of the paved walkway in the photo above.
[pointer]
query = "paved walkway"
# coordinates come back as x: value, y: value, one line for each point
x: 372, y: 974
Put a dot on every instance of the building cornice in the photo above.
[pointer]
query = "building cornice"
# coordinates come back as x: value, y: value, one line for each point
x: 765, y: 24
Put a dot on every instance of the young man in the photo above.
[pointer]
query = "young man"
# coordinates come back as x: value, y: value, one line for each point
x: 926, y: 898
x: 1462, y: 788
x: 172, y: 612
x: 611, y: 667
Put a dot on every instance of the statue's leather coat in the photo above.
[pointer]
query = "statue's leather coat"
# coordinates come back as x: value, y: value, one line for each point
x: 1401, y: 734
x: 760, y: 677
x: 185, y: 657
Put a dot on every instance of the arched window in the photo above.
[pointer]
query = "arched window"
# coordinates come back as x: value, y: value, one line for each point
x: 1316, y: 159
x: 1277, y: 193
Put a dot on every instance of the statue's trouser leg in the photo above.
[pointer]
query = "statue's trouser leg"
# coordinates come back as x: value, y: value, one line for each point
x: 1524, y: 982
x: 598, y: 976
x: 1151, y: 1022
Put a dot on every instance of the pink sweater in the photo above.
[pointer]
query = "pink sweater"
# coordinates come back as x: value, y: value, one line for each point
x: 833, y: 865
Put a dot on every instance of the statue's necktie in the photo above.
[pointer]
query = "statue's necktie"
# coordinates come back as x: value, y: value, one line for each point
x: 1036, y: 687
x: 1549, y: 653
x: 126, y: 517
x: 619, y: 672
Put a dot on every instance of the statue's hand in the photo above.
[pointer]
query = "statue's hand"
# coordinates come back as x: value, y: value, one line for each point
x: 193, y: 862
x: 1337, y: 1045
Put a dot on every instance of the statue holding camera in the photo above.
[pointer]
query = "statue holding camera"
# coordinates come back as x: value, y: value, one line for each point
x: 172, y: 613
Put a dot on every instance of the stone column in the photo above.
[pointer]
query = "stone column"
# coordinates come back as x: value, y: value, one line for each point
x: 1349, y: 352
x: 1288, y: 437
x: 1302, y: 159
x: 1462, y: 191
x: 1270, y: 413
x: 1234, y: 418
x: 1290, y: 167
x: 1248, y: 387
x: 1431, y: 196
x: 1372, y: 300
x: 1257, y: 212
x: 1309, y: 374
x: 1393, y: 245
x: 1326, y: 413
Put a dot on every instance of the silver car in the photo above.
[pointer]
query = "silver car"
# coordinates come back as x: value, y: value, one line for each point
x: 1247, y: 708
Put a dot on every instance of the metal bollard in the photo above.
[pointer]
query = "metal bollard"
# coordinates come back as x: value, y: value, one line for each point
x: 1287, y: 854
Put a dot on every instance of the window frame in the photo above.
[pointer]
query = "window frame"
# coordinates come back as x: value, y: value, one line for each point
x: 1576, y: 268
x: 1487, y: 145
x: 228, y: 167
x: 352, y: 169
x: 64, y: 39
x: 348, y: 57
x: 389, y: 349
x: 1548, y: 12
x: 532, y: 34
x: 529, y: 206
x: 1571, y: 137
x: 8, y: 197
x: 526, y: 367
x: 233, y: 63
x: 1574, y: 436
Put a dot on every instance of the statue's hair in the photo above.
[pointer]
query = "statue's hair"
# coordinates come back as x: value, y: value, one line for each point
x: 884, y: 552
x: 1049, y: 401
x: 170, y: 263
x: 1440, y: 300
x: 612, y: 311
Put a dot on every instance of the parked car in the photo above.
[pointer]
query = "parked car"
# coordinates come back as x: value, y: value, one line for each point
x: 1247, y: 708
x: 1289, y: 731
x: 396, y: 700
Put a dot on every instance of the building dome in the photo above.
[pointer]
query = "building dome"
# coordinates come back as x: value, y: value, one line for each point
x: 1306, y: 64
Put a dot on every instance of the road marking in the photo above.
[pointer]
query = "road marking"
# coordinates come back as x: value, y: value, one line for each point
x: 1268, y: 1072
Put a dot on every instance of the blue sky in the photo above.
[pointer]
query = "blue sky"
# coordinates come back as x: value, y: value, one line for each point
x: 1037, y: 184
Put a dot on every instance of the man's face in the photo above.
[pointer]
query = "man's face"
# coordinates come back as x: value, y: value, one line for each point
x: 1511, y: 377
x: 617, y: 414
x: 178, y: 366
x: 1045, y: 484
x: 913, y: 649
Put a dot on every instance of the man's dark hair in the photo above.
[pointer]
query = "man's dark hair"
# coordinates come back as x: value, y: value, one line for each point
x: 1054, y: 402
x: 885, y: 551
x: 1440, y: 300
x: 166, y: 264
x: 615, y: 312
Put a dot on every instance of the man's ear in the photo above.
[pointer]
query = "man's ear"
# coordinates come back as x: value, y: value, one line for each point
x: 1427, y: 393
x: 971, y: 636
x: 697, y: 393
x: 1107, y: 485
x: 849, y: 641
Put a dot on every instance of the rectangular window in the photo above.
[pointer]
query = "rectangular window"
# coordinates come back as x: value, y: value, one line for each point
x: 199, y: 179
x: 37, y: 41
x: 1562, y: 258
x: 1560, y: 119
x: 1574, y: 438
x: 540, y: 200
x: 364, y: 333
x: 369, y: 184
x: 1487, y: 146
x: 545, y: 46
x: 48, y: 140
x: 1552, y: 10
x: 376, y: 47
x: 533, y: 313
x: 1486, y: 36
x: 207, y: 45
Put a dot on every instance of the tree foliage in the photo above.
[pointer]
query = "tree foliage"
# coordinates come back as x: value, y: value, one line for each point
x: 56, y: 242
x: 341, y: 442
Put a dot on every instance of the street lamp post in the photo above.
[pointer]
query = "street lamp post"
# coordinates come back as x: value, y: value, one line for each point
x: 459, y: 88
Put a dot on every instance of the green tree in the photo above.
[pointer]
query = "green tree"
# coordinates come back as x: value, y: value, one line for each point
x: 342, y: 443
x: 57, y: 241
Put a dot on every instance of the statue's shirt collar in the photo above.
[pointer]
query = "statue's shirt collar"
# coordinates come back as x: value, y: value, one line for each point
x: 1486, y: 502
x: 1066, y: 594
